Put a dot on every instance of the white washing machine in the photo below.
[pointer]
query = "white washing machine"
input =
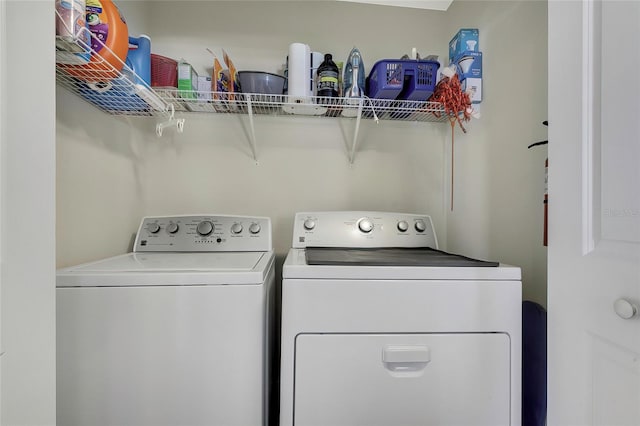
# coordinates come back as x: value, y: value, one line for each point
x: 178, y: 332
x: 379, y: 328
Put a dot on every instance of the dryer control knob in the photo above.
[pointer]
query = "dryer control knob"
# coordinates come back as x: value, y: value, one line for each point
x: 205, y: 228
x: 309, y: 224
x: 365, y: 225
x: 236, y: 228
x: 403, y: 226
x: 153, y: 228
x: 254, y: 228
x: 172, y: 228
x: 420, y: 225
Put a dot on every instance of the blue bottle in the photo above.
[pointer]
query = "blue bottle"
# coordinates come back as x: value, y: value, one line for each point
x: 121, y: 93
x: 139, y: 59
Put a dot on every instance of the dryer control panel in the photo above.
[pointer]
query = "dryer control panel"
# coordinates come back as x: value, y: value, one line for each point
x: 203, y: 233
x: 363, y: 229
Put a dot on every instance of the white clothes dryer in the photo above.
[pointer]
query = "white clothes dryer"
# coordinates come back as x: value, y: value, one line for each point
x: 380, y: 328
x: 178, y: 332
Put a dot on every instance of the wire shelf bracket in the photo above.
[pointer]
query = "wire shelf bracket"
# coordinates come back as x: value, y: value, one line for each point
x: 252, y: 130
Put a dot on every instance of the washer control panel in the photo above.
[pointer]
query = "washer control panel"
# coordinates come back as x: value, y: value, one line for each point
x: 203, y: 233
x: 363, y: 229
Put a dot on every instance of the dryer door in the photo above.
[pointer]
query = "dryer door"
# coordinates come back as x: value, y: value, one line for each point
x: 402, y: 379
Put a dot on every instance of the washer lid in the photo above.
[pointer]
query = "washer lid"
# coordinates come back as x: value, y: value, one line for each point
x: 135, y: 269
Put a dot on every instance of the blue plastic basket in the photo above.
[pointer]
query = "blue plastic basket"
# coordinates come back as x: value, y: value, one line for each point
x: 121, y: 96
x: 402, y: 79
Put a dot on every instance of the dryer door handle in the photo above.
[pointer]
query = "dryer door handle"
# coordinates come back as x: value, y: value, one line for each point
x: 403, y: 354
x: 406, y: 360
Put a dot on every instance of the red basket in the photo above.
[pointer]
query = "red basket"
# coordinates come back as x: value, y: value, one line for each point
x: 164, y: 71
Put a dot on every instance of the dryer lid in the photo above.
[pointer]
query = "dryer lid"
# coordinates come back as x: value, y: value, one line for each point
x: 296, y: 267
x: 390, y: 256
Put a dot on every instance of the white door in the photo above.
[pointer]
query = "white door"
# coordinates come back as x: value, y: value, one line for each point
x: 594, y: 216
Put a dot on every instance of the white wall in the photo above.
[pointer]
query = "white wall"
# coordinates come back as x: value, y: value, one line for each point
x: 99, y: 181
x: 499, y: 183
x: 27, y: 383
x: 112, y: 172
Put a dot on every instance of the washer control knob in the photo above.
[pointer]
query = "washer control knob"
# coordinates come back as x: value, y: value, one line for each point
x: 309, y: 224
x: 420, y: 225
x: 154, y: 228
x: 236, y: 228
x: 365, y: 225
x: 205, y: 228
x: 255, y: 228
x: 403, y: 226
x: 172, y: 228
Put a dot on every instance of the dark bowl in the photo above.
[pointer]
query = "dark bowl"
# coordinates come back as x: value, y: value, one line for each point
x: 261, y: 82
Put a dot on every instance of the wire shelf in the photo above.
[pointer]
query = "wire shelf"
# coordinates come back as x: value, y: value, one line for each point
x: 260, y: 104
x: 116, y: 89
x: 112, y: 87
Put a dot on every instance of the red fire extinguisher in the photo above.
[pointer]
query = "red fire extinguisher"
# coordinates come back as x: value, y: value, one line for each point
x: 546, y: 200
x: 546, y: 189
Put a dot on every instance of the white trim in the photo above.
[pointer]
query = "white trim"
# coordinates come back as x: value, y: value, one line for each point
x: 28, y: 196
x: 2, y: 139
x: 591, y: 10
x: 442, y: 5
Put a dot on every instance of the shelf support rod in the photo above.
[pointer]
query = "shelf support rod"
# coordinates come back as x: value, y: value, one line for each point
x: 252, y: 130
x: 356, y: 131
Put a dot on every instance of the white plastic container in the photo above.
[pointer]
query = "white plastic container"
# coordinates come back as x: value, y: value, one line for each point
x: 72, y: 39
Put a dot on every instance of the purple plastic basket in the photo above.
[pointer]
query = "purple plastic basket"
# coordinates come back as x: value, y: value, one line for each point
x: 402, y: 79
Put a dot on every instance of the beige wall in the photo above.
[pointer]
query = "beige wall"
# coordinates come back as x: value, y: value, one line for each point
x: 499, y: 183
x: 111, y: 172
